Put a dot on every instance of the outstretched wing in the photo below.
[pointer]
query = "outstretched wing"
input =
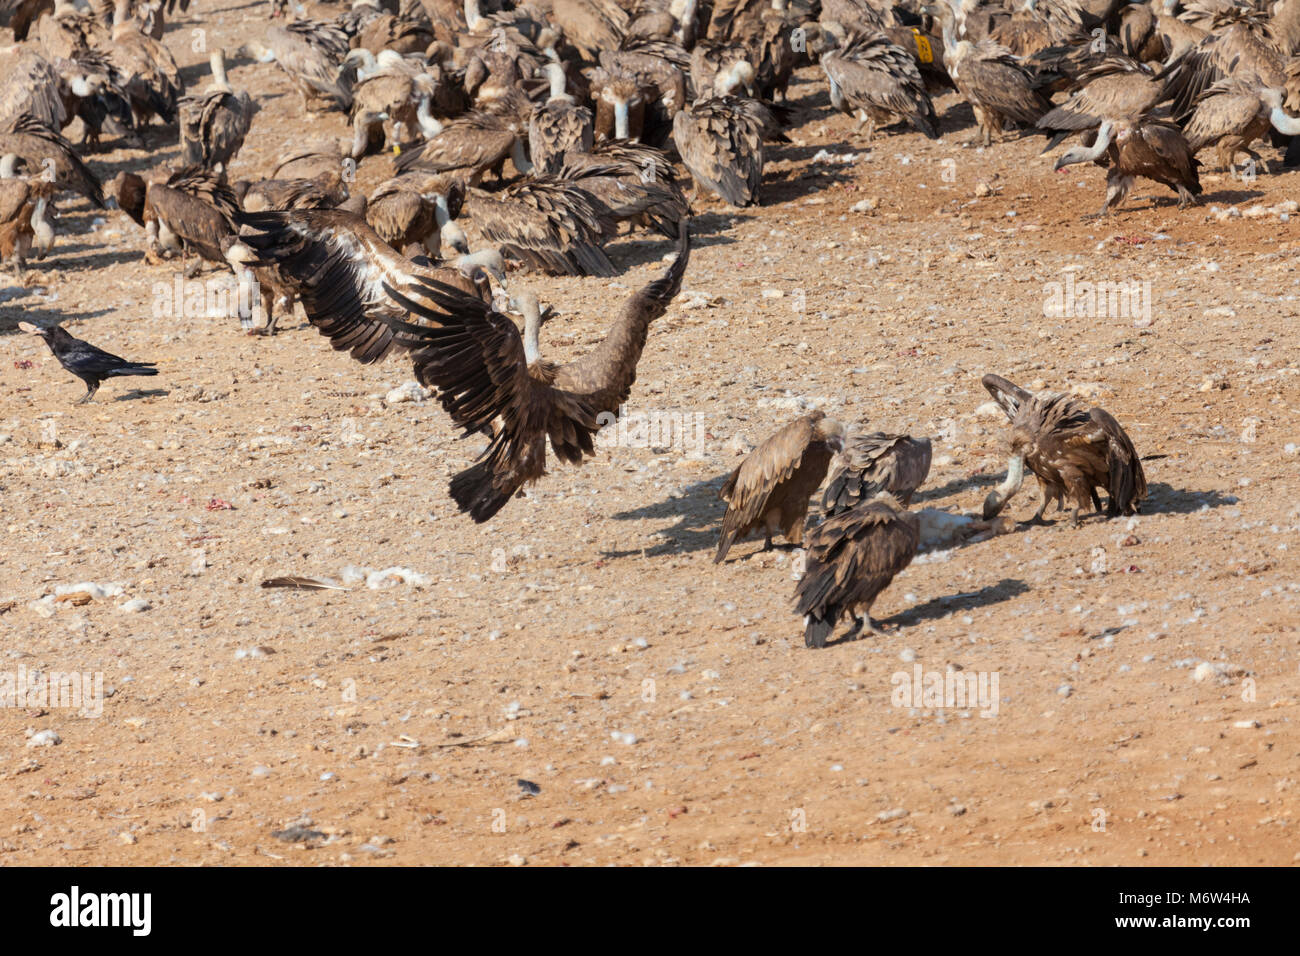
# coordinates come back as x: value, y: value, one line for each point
x: 474, y: 358
x: 1007, y: 394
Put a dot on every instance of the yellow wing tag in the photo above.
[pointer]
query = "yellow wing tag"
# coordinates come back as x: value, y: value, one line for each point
x: 923, y: 51
x: 397, y: 149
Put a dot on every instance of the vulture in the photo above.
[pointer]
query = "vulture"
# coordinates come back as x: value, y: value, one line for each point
x: 324, y: 191
x: 193, y: 211
x: 1148, y: 148
x: 24, y: 205
x: 213, y: 126
x: 621, y: 97
x: 640, y: 89
x: 418, y: 209
x: 992, y: 81
x: 392, y: 93
x: 1239, y: 48
x: 852, y: 557
x: 874, y: 462
x: 549, y: 224
x: 1115, y: 86
x: 558, y: 126
x: 152, y: 81
x: 488, y: 376
x: 90, y: 364
x: 1232, y: 114
x: 771, y: 487
x: 19, y: 15
x: 630, y: 194
x: 1072, y: 450
x: 470, y: 146
x: 46, y: 151
x: 312, y: 54
x: 878, y: 81
x: 591, y: 25
x: 326, y: 160
x: 31, y: 84
x: 720, y: 139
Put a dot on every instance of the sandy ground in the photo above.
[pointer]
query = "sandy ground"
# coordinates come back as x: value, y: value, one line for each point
x: 665, y: 708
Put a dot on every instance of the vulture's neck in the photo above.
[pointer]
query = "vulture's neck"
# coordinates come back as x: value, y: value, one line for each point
x: 1284, y: 124
x: 7, y: 164
x: 219, y: 81
x: 429, y: 125
x: 532, y: 337
x: 41, y: 226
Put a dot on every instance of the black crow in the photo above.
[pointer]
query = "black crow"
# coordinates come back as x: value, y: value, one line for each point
x: 83, y: 360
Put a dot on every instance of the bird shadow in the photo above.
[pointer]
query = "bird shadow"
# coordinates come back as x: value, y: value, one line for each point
x: 955, y: 486
x: 695, y: 528
x: 1164, y: 499
x: 1230, y: 196
x: 938, y: 608
x: 136, y: 393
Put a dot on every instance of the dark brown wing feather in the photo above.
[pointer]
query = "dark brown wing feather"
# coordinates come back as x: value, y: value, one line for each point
x: 475, y: 359
x: 876, y: 462
x: 760, y: 483
x: 1007, y: 394
x: 852, y: 557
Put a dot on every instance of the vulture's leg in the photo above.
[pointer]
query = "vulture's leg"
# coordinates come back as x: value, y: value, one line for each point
x: 871, y: 625
x: 1044, y: 501
x: 268, y: 306
x: 191, y: 268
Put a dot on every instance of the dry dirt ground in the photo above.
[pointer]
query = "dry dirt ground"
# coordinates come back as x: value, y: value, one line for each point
x: 665, y: 707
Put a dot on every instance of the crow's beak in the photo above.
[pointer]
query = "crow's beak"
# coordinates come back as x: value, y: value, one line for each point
x: 28, y: 327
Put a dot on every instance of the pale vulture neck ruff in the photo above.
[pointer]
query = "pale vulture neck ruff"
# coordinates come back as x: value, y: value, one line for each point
x: 1284, y: 124
x: 441, y: 214
x: 837, y: 95
x: 997, y: 498
x: 368, y: 64
x: 532, y: 329
x: 558, y: 82
x: 520, y: 160
x: 475, y: 20
x: 218, y: 64
x: 7, y: 164
x: 1104, y: 133
x: 620, y: 119
x: 41, y: 226
x: 486, y: 260
x: 686, y: 23
x: 429, y: 126
x: 82, y: 87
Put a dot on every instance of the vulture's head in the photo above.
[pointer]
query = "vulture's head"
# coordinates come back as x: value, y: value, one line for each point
x: 833, y: 433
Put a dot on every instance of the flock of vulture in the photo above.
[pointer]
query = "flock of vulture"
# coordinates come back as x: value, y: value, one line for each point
x: 596, y: 105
